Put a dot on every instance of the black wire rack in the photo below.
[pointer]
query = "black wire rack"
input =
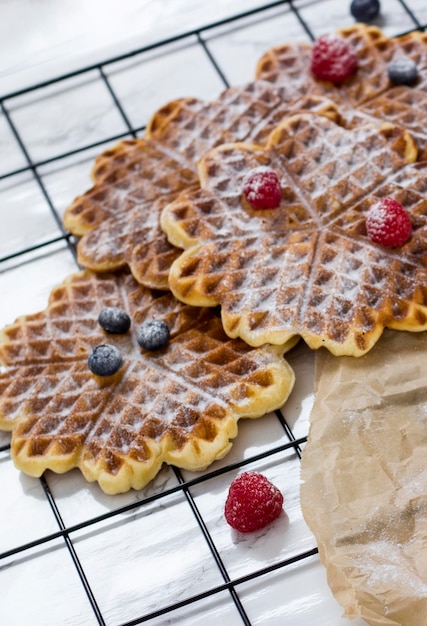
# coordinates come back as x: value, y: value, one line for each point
x: 293, y: 445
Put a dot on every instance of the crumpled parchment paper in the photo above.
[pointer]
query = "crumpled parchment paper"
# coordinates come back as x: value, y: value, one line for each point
x: 364, y: 479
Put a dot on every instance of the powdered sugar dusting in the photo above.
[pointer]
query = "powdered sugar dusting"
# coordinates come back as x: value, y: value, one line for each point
x: 388, y: 566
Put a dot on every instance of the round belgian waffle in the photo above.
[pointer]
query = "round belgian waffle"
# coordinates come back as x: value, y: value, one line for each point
x: 369, y: 92
x: 306, y: 268
x: 118, y: 218
x: 178, y: 405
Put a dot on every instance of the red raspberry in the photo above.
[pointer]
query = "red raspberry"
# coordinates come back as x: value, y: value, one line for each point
x: 332, y: 59
x: 252, y: 502
x: 388, y: 223
x: 262, y: 188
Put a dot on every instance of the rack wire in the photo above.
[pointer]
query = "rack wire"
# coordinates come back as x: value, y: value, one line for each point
x: 293, y: 444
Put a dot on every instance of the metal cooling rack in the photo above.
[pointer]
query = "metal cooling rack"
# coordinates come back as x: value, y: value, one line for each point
x: 173, y: 485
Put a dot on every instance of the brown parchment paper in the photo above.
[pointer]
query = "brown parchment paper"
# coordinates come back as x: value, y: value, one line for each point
x: 364, y: 479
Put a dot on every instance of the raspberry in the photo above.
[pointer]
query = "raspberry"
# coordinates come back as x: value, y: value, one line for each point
x: 153, y: 335
x: 252, y: 502
x: 262, y: 188
x: 388, y: 223
x: 332, y: 59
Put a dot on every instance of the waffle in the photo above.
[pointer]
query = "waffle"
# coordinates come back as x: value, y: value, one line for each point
x: 119, y: 214
x: 179, y: 405
x: 369, y: 92
x: 306, y: 268
x: 192, y: 127
x: 118, y: 218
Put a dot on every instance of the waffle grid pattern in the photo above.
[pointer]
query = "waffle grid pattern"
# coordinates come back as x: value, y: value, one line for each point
x: 273, y: 281
x: 60, y: 533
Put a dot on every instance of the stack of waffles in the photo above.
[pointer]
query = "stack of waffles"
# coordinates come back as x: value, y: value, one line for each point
x: 165, y: 233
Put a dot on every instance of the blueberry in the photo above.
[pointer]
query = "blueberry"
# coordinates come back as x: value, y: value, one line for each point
x: 114, y: 320
x: 153, y: 335
x: 365, y: 10
x: 402, y: 71
x: 105, y: 360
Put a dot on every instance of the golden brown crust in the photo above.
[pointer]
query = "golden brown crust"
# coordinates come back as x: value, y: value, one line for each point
x: 306, y: 268
x: 118, y: 218
x: 180, y: 404
x: 113, y: 218
x: 369, y: 91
